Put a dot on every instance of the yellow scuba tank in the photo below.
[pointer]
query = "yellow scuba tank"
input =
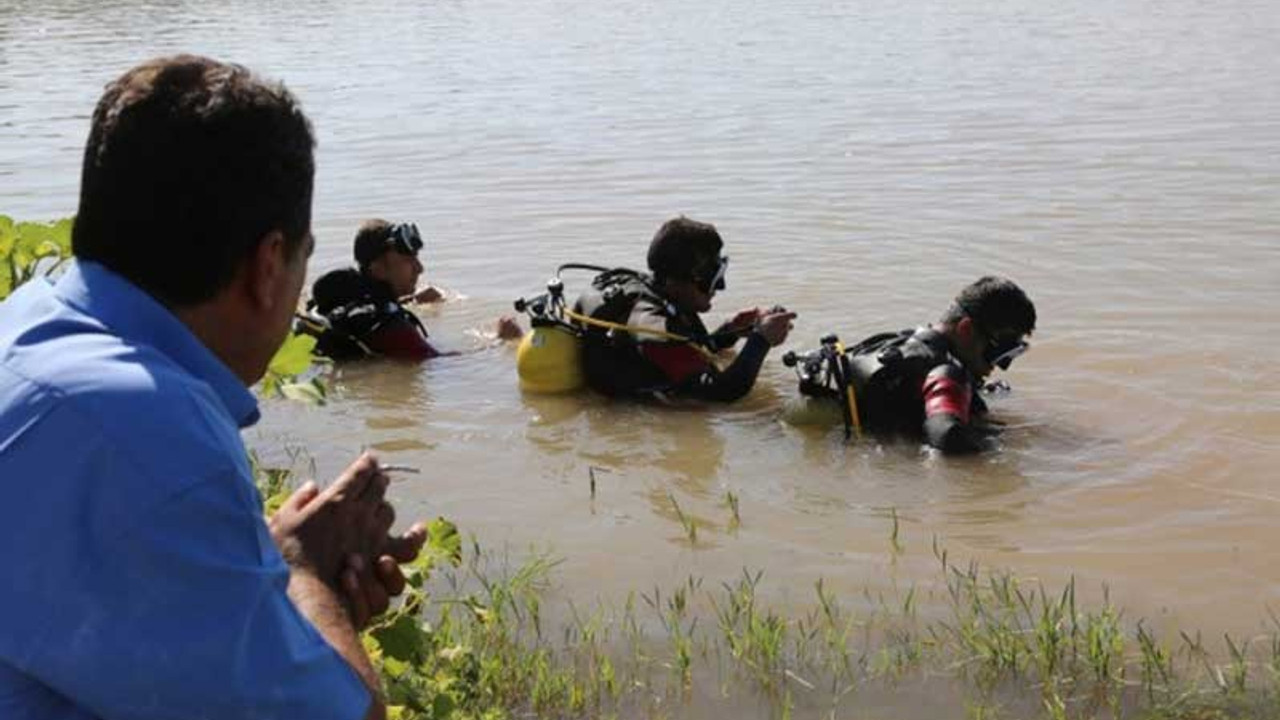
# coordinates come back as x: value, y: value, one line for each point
x: 549, y: 360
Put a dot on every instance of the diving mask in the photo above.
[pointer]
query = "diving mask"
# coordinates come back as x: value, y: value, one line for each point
x: 404, y: 238
x: 1002, y: 353
x: 714, y: 282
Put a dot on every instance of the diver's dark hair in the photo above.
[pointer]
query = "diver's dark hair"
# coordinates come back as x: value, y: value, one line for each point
x: 996, y: 305
x: 371, y: 242
x: 190, y: 162
x: 680, y: 246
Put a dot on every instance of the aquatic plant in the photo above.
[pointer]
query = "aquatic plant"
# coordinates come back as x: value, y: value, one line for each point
x: 31, y: 249
x: 481, y: 636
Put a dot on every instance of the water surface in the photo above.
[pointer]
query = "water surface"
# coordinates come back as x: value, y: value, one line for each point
x: 1119, y: 158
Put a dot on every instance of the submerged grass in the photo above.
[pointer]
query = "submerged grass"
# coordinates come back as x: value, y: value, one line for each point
x: 491, y: 638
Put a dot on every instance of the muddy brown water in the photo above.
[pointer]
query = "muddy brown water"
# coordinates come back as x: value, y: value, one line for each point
x: 1120, y: 159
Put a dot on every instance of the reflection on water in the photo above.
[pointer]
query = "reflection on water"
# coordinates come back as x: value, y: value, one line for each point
x: 863, y: 162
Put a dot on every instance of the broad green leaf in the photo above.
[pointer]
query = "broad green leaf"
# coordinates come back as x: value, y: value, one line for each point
x: 24, y: 245
x: 394, y: 668
x: 402, y: 639
x: 442, y: 707
x: 271, y: 384
x: 443, y: 544
x: 43, y: 240
x: 8, y: 235
x: 308, y: 392
x: 294, y: 356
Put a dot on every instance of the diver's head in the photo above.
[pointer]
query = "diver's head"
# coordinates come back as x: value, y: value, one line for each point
x: 989, y: 323
x: 685, y: 260
x: 389, y: 253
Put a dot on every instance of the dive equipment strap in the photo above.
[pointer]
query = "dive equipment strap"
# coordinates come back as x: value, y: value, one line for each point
x: 634, y: 329
x: 850, y: 399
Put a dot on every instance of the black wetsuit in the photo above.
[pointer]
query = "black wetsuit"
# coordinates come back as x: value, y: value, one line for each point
x: 911, y: 383
x: 365, y: 319
x: 636, y: 364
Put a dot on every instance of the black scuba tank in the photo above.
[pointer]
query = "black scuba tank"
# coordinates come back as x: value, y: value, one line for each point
x: 887, y: 370
x: 611, y: 361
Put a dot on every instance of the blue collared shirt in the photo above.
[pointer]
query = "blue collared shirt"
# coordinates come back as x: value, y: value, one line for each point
x: 140, y: 579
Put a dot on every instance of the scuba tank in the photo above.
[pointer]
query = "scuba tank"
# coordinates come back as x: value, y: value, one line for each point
x: 549, y: 359
x: 866, y: 381
x: 592, y: 342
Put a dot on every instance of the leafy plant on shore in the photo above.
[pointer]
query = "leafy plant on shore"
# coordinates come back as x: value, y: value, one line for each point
x: 31, y: 249
x: 292, y: 362
x: 479, y: 637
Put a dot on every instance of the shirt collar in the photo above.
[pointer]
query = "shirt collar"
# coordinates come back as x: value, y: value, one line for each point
x: 136, y: 317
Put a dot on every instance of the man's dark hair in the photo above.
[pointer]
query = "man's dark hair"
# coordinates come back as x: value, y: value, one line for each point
x: 996, y: 305
x: 189, y: 163
x: 680, y: 246
x: 371, y: 241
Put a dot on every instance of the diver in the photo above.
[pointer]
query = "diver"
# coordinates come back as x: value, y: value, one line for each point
x: 360, y: 312
x: 641, y: 335
x: 925, y: 382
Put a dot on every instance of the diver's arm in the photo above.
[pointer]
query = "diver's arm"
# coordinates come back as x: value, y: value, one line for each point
x: 724, y: 338
x: 401, y: 340
x: 947, y: 411
x: 736, y: 380
x: 734, y: 329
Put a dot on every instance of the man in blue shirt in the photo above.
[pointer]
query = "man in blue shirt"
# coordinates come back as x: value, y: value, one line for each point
x: 141, y: 580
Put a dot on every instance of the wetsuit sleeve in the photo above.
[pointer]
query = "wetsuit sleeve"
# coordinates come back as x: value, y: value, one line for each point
x: 725, y: 337
x: 402, y: 340
x: 947, y: 409
x: 693, y: 376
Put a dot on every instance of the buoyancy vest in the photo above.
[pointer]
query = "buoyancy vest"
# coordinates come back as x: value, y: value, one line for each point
x: 888, y: 372
x: 612, y: 359
x: 354, y: 308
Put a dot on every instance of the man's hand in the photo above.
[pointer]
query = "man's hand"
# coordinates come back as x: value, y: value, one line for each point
x: 318, y: 530
x: 509, y: 329
x: 774, y: 326
x: 429, y: 294
x: 744, y: 320
x: 369, y: 587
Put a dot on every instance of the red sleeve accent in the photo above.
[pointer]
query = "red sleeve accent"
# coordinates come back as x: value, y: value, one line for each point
x: 677, y: 361
x: 403, y: 341
x: 944, y: 393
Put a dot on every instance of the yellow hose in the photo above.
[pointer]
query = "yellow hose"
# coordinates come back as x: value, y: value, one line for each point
x: 848, y: 388
x: 586, y: 320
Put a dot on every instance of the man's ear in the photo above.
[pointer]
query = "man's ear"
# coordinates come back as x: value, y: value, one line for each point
x: 267, y: 267
x: 965, y: 330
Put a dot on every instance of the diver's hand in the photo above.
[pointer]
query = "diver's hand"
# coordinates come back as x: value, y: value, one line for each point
x: 509, y: 329
x: 430, y: 294
x: 744, y: 320
x: 774, y: 327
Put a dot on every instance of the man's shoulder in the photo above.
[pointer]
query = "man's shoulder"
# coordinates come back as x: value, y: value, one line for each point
x: 80, y: 377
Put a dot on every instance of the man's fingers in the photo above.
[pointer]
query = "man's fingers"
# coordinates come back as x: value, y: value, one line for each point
x: 389, y: 575
x: 375, y: 594
x: 384, y: 517
x: 406, y: 547
x: 352, y: 482
x: 301, y: 497
x: 376, y: 487
x: 356, y: 602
